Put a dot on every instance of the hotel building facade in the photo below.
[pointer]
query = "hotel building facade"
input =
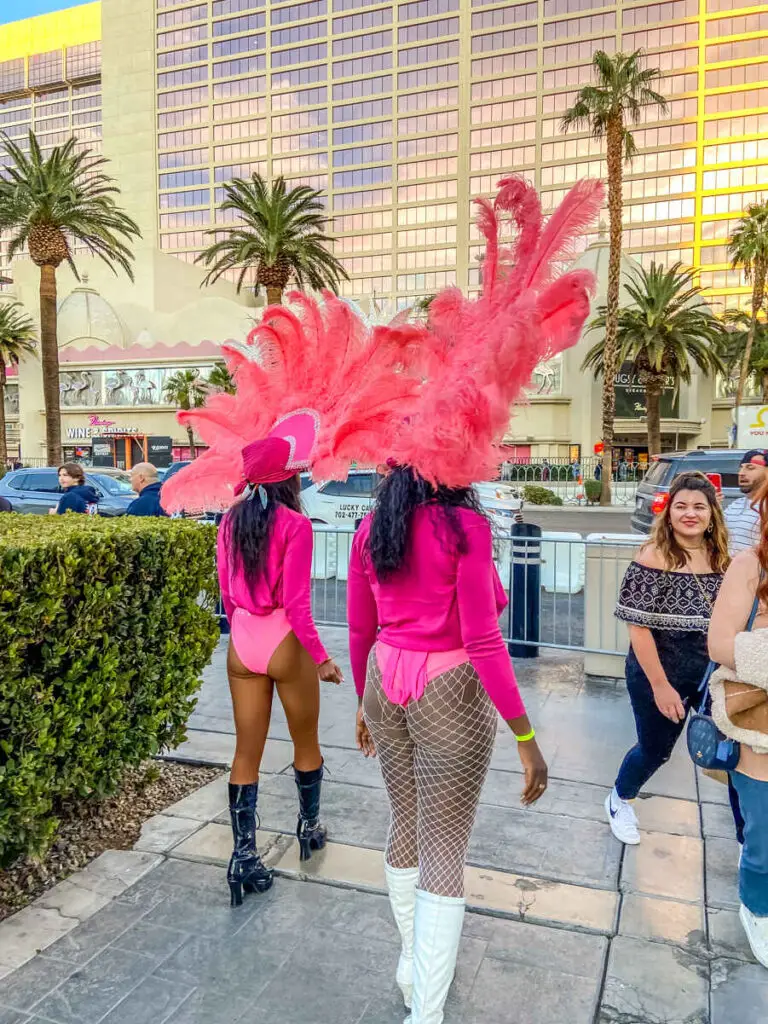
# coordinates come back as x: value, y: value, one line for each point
x: 402, y: 113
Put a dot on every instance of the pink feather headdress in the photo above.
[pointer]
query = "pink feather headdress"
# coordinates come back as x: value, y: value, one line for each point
x: 313, y: 375
x: 436, y: 397
x: 480, y: 354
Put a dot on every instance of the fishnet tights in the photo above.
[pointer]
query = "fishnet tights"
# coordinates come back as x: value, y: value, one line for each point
x: 434, y: 756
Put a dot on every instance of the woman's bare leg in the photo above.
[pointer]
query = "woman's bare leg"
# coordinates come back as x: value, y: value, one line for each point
x: 298, y: 688
x: 252, y: 706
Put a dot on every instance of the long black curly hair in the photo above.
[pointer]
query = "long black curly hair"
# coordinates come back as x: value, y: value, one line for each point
x: 399, y: 495
x: 250, y: 525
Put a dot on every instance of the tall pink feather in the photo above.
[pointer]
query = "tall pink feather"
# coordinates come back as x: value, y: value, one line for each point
x: 572, y: 217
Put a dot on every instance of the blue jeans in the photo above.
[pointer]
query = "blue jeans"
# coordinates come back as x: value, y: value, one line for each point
x: 656, y: 734
x: 753, y: 876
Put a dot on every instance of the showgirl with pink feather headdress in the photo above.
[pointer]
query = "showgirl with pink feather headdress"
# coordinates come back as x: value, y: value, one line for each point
x: 423, y: 594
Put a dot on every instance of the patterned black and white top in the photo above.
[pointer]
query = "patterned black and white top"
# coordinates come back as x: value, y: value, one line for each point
x: 663, y: 600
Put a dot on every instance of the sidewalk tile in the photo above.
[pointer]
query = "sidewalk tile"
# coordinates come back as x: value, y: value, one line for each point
x: 205, y: 803
x: 650, y: 981
x: 663, y: 865
x: 711, y: 791
x: 153, y: 1000
x: 722, y: 858
x: 739, y: 992
x: 210, y: 1008
x: 95, y: 989
x: 727, y: 937
x: 646, y: 917
x: 96, y: 934
x: 213, y: 844
x: 162, y: 832
x: 233, y: 968
x: 29, y: 931
x: 718, y: 821
x: 150, y: 940
x: 30, y: 983
x: 115, y: 871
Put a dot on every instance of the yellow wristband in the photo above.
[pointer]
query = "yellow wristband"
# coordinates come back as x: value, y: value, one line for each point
x: 528, y: 736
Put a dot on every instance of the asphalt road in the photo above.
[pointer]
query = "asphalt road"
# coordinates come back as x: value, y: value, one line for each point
x: 583, y: 521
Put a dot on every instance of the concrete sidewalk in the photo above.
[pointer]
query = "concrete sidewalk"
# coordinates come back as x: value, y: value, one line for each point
x: 565, y: 926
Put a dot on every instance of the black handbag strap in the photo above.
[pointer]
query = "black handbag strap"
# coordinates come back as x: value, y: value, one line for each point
x: 704, y: 685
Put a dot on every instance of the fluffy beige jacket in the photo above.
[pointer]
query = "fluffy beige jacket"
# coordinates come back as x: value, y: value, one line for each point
x: 751, y: 656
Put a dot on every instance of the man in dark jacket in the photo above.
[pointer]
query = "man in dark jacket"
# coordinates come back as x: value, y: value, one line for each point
x: 78, y: 495
x: 145, y: 482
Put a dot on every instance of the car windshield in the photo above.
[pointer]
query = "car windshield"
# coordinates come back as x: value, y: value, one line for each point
x: 658, y: 473
x: 113, y: 484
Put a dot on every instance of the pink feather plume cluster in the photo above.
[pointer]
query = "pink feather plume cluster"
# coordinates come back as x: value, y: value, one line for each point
x: 318, y: 356
x: 480, y: 354
x: 438, y: 396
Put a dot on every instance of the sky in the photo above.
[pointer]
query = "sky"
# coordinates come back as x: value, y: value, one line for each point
x: 14, y: 10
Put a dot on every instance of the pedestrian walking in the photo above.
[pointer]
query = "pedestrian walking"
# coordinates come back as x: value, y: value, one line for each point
x: 314, y: 384
x: 740, y: 709
x: 666, y: 598
x: 546, y: 471
x: 430, y: 665
x: 742, y: 516
x: 78, y: 496
x: 145, y: 481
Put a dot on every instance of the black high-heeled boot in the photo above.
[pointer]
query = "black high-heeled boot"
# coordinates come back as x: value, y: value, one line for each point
x: 310, y: 833
x: 246, y: 870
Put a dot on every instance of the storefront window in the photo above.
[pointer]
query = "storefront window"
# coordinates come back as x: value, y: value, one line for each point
x: 130, y: 387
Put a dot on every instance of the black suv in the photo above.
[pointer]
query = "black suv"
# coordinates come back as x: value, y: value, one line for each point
x: 655, y: 486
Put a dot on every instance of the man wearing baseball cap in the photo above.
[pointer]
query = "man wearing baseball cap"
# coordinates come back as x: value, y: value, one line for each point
x: 741, y: 517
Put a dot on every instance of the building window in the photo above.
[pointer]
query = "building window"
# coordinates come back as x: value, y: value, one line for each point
x: 188, y: 55
x: 426, y: 214
x: 300, y: 120
x: 46, y: 68
x: 172, y: 79
x: 178, y: 179
x: 308, y: 163
x: 239, y: 108
x: 358, y: 111
x: 365, y: 87
x: 302, y: 76
x: 240, y: 129
x: 299, y: 55
x: 426, y: 100
x: 245, y: 23
x: 426, y: 9
x: 12, y: 75
x: 428, y: 54
x: 443, y: 121
x: 235, y: 6
x: 242, y: 66
x: 426, y: 192
x: 360, y: 200
x: 298, y: 12
x: 364, y: 222
x: 510, y: 15
x: 362, y: 65
x: 358, y: 44
x: 428, y: 30
x: 487, y: 66
x: 360, y: 22
x: 298, y: 33
x: 362, y: 243
x: 182, y: 35
x: 362, y: 155
x: 182, y: 97
x: 307, y: 140
x: 428, y: 168
x: 240, y: 87
x: 196, y: 197
x: 177, y: 140
x: 431, y: 144
x: 428, y: 76
x: 362, y: 133
x: 505, y: 40
x: 184, y: 158
x: 83, y: 61
x: 242, y: 44
x: 174, y: 18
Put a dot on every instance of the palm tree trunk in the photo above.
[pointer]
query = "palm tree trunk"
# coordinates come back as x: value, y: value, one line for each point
x: 653, y: 404
x: 3, y: 440
x: 765, y: 387
x: 274, y: 296
x: 614, y: 155
x: 192, y: 449
x: 758, y: 294
x: 49, y: 346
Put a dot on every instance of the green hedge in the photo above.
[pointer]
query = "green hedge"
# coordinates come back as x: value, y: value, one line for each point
x: 536, y: 495
x: 105, y: 628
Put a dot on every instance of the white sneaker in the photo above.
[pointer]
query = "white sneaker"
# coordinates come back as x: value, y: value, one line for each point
x: 622, y: 819
x: 757, y: 933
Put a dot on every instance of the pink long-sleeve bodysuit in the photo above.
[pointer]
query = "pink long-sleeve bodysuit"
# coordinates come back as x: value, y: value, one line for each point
x: 439, y: 610
x: 262, y: 614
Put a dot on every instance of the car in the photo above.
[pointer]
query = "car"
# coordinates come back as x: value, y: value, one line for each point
x: 114, y: 472
x: 166, y: 474
x: 37, y: 490
x: 653, y: 490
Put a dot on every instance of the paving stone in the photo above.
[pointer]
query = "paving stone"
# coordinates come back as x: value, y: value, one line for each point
x: 95, y: 989
x: 233, y: 965
x: 210, y: 1008
x: 115, y: 871
x: 29, y: 931
x: 722, y: 859
x: 549, y: 846
x: 205, y: 803
x: 162, y: 832
x: 72, y: 901
x: 213, y: 843
x: 653, y: 982
x: 664, y: 814
x: 170, y: 876
x: 718, y: 821
x: 30, y: 983
x: 646, y: 917
x: 153, y: 1000
x: 712, y: 791
x: 739, y: 992
x: 662, y: 865
x: 287, y: 997
x: 13, y: 1017
x: 201, y: 913
x: 80, y: 945
x: 150, y: 940
x: 727, y: 937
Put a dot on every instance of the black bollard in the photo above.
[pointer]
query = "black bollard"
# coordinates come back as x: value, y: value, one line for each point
x: 525, y: 614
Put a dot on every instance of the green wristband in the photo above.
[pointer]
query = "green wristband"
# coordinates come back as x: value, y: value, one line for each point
x: 528, y: 736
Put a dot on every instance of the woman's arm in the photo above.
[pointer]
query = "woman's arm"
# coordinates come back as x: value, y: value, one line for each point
x: 732, y: 607
x: 297, y: 574
x: 362, y: 615
x: 647, y: 655
x: 222, y: 567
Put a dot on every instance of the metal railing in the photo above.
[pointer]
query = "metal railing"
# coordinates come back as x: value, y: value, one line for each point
x: 562, y: 588
x: 567, y: 480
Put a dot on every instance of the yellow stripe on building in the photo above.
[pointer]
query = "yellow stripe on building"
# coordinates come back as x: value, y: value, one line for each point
x: 46, y: 32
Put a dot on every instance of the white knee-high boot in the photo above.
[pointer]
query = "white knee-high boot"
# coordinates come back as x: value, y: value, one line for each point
x: 436, y: 935
x: 401, y: 885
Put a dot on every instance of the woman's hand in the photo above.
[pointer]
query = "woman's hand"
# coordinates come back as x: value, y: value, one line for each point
x: 330, y: 672
x: 669, y: 702
x: 51, y: 511
x: 535, y: 768
x: 363, y: 736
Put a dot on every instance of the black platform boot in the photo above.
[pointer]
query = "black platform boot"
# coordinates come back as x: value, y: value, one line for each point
x: 246, y: 870
x: 310, y: 833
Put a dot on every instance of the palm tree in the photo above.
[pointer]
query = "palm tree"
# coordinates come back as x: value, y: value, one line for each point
x: 748, y: 249
x: 665, y: 329
x: 282, y: 236
x: 220, y: 379
x: 619, y: 93
x: 17, y: 338
x: 47, y: 203
x: 741, y: 325
x: 186, y: 389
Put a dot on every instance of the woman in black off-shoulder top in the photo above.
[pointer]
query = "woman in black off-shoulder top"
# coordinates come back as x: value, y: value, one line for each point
x: 666, y: 598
